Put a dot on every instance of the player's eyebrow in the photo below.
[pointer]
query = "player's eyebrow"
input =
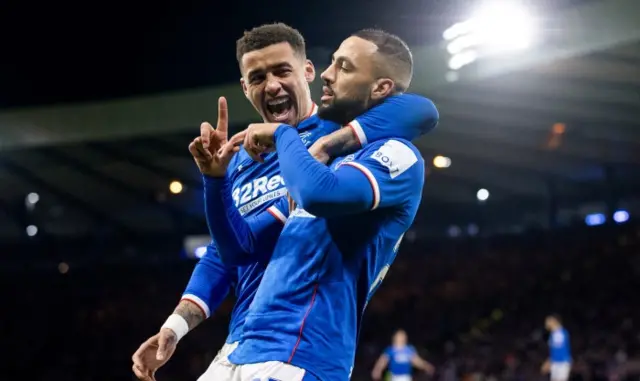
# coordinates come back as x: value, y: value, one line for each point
x: 342, y: 59
x: 280, y: 65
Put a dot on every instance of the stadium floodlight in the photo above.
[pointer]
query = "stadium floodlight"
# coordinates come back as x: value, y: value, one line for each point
x: 32, y: 230
x: 482, y: 195
x: 459, y: 60
x: 441, y: 162
x: 504, y: 26
x: 175, y: 187
x: 32, y: 198
x: 496, y: 27
x: 621, y: 216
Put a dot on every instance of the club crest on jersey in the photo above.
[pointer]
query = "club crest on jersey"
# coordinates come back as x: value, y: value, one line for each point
x: 346, y: 159
x: 304, y: 136
x: 251, y: 195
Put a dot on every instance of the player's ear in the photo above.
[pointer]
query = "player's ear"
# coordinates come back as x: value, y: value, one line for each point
x: 244, y: 87
x: 382, y: 88
x: 309, y: 71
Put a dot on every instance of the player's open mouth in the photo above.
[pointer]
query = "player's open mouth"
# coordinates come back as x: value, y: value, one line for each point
x: 281, y: 109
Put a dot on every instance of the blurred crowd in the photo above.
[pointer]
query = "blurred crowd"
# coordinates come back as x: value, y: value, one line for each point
x: 474, y: 307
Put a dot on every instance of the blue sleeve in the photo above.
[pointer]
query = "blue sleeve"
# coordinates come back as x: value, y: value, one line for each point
x: 405, y: 116
x: 241, y: 241
x: 388, y: 173
x: 389, y: 352
x: 210, y: 282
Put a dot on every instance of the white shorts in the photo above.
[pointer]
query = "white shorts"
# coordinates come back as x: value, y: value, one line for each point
x: 272, y: 370
x: 223, y: 370
x: 560, y: 371
x: 220, y: 369
x: 400, y: 377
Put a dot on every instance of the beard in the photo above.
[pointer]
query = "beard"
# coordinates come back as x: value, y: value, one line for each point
x: 343, y: 110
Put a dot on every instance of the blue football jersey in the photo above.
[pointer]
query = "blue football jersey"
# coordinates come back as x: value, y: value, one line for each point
x: 559, y: 347
x: 259, y: 187
x: 400, y: 359
x: 323, y: 271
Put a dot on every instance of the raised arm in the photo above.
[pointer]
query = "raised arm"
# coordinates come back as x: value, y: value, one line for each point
x: 405, y: 116
x: 386, y: 173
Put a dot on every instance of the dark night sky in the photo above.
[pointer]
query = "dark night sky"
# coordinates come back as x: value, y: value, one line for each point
x: 67, y: 51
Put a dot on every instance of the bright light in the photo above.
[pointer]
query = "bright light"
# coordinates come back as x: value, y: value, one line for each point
x: 595, y: 219
x: 33, y: 198
x: 621, y: 216
x: 175, y: 187
x: 32, y: 230
x: 200, y: 251
x: 441, y: 162
x: 503, y: 26
x: 457, y: 61
x: 498, y: 27
x: 482, y: 194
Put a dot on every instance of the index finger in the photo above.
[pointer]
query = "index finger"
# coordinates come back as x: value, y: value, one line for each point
x: 223, y: 116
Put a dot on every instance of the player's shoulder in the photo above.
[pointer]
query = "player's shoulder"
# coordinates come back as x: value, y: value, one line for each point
x: 399, y: 157
x: 396, y: 152
x: 395, y: 144
x: 414, y: 99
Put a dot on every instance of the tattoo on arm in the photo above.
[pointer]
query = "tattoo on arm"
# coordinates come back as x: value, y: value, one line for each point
x: 190, y: 312
x: 341, y: 142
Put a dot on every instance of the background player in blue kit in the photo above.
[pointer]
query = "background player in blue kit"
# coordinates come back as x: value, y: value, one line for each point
x: 558, y: 365
x: 400, y: 358
x: 340, y: 241
x: 278, y: 92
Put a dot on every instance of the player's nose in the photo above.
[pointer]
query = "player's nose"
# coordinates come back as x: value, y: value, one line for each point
x: 328, y: 75
x: 273, y: 86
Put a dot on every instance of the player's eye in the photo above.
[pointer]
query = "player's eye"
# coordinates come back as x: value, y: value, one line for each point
x: 282, y: 72
x: 256, y: 79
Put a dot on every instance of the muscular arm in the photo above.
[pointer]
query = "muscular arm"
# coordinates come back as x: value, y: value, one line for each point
x: 405, y: 116
x: 190, y: 312
x: 341, y: 142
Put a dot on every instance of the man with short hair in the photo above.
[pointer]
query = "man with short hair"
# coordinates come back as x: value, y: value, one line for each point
x: 339, y: 242
x: 400, y: 358
x: 275, y: 77
x: 558, y: 365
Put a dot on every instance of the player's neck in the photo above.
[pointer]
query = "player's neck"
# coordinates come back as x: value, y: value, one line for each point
x: 307, y: 110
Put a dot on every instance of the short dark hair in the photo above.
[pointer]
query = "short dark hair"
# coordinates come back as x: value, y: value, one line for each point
x: 270, y: 34
x: 556, y: 317
x: 397, y: 60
